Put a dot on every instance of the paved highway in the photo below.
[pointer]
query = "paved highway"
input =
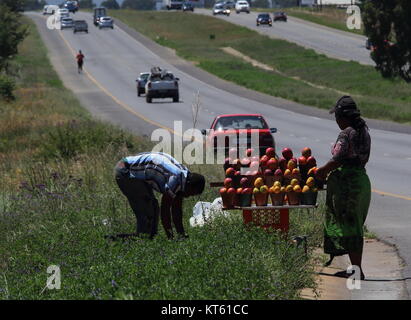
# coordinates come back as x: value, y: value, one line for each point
x: 331, y: 42
x: 107, y: 88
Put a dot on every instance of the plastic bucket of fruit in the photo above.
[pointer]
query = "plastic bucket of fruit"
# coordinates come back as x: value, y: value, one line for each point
x: 228, y: 200
x: 309, y: 198
x: 245, y: 200
x: 261, y: 199
x: 277, y: 199
x: 293, y: 198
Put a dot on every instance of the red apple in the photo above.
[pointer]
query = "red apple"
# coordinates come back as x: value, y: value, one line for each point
x: 306, y: 152
x: 278, y: 173
x: 230, y: 172
x: 237, y: 173
x: 302, y: 161
x: 239, y: 190
x: 223, y: 190
x: 282, y: 163
x: 244, y: 181
x: 287, y: 153
x: 272, y: 164
x: 228, y: 182
x: 231, y: 191
x: 249, y: 152
x: 270, y: 152
x: 311, y: 162
x: 247, y: 191
x: 268, y: 172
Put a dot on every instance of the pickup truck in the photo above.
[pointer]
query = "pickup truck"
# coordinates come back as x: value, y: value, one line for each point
x: 161, y: 84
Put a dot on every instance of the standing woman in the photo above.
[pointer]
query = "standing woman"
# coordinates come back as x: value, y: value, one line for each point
x: 348, y: 186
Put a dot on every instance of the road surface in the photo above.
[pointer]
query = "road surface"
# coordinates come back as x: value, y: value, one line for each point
x: 331, y: 42
x: 107, y: 88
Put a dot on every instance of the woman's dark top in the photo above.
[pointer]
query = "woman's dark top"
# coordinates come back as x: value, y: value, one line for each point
x: 352, y: 147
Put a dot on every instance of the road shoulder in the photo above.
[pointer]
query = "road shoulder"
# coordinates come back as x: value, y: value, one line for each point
x: 382, y: 267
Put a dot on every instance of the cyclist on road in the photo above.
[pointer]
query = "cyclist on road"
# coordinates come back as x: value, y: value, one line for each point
x: 80, y: 58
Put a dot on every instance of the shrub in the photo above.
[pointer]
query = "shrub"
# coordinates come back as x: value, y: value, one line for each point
x: 7, y: 86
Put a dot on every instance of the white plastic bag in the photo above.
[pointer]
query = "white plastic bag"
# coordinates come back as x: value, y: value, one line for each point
x: 206, y: 211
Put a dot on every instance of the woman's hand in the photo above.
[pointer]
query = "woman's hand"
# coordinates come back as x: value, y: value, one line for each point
x: 323, y: 171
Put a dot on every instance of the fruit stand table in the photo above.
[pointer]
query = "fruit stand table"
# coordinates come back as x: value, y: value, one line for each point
x: 269, y: 216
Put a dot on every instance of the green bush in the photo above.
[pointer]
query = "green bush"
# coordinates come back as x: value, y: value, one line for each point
x: 7, y: 86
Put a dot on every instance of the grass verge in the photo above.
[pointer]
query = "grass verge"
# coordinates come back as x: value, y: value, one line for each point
x: 201, y: 38
x: 58, y: 200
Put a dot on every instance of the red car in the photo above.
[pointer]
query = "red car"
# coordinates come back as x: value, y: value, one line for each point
x: 236, y: 131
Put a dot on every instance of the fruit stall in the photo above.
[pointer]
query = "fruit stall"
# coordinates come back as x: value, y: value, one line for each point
x: 266, y: 188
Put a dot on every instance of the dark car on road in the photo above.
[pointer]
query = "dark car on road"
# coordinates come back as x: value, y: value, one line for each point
x: 141, y: 83
x: 264, y: 18
x: 71, y: 6
x: 80, y: 26
x: 232, y: 126
x: 280, y: 16
x: 188, y: 6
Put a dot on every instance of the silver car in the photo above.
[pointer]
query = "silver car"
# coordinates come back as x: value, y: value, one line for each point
x: 67, y: 23
x: 220, y: 8
x: 106, y: 22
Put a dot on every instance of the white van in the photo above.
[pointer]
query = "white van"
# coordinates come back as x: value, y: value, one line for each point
x: 242, y: 6
x: 50, y: 9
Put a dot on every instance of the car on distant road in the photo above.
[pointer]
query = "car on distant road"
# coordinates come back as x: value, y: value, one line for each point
x: 280, y: 16
x: 239, y: 126
x: 71, y: 6
x: 220, y: 8
x: 242, y: 6
x: 50, y: 9
x: 106, y: 22
x: 67, y: 23
x: 80, y: 26
x: 188, y: 6
x: 264, y: 18
x: 141, y: 83
x: 174, y: 4
x: 161, y: 84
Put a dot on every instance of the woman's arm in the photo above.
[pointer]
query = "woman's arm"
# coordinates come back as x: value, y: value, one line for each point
x: 323, y: 171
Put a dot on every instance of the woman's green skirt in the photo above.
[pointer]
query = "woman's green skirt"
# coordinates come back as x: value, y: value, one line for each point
x: 347, y: 203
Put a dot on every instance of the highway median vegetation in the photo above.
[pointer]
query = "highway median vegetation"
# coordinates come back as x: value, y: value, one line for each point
x: 58, y: 199
x: 200, y: 39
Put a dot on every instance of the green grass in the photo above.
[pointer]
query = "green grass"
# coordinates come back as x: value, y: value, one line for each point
x: 190, y: 34
x: 58, y: 200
